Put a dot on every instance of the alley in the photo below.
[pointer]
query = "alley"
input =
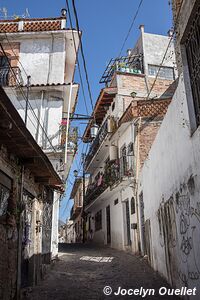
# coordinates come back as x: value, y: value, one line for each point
x: 82, y: 272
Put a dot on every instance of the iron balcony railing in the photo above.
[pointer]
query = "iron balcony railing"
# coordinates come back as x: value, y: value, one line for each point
x: 10, y: 76
x: 103, y: 131
x: 114, y: 172
x: 72, y: 137
x: 96, y: 188
x: 127, y: 64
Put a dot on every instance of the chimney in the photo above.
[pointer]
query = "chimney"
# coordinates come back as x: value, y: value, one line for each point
x: 64, y: 18
x: 129, y: 52
x: 141, y: 27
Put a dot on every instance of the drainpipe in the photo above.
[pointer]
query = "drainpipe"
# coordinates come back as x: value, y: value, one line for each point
x: 136, y: 180
x: 39, y: 116
x: 68, y: 115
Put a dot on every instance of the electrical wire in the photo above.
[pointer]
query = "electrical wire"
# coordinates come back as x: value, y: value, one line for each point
x: 17, y: 58
x: 25, y: 98
x: 129, y: 31
x: 82, y: 53
x: 79, y: 69
x: 164, y: 56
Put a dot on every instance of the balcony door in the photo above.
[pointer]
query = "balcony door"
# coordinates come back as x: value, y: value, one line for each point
x: 4, y: 70
x: 127, y: 230
x: 108, y: 224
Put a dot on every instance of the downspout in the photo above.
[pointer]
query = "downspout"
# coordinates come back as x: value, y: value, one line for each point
x: 67, y: 126
x: 39, y: 116
x: 136, y: 181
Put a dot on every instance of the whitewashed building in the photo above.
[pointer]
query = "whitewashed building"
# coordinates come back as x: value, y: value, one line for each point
x: 45, y: 50
x: 128, y: 124
x: 168, y: 188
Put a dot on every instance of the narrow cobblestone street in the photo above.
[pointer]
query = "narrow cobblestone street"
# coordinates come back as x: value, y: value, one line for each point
x: 82, y: 272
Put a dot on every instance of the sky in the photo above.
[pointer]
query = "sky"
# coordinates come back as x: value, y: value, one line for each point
x: 104, y: 25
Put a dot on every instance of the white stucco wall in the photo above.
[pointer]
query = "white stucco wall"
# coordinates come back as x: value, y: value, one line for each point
x: 123, y: 191
x: 170, y: 186
x: 43, y: 59
x: 55, y: 218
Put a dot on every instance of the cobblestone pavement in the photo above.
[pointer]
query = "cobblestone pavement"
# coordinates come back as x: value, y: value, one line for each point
x: 82, y: 272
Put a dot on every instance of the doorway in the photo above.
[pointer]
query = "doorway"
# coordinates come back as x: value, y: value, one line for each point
x: 127, y: 229
x: 108, y: 224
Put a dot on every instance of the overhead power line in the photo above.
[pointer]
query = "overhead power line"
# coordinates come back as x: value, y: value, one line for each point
x: 164, y: 56
x: 25, y: 98
x: 79, y: 69
x: 129, y: 31
x: 82, y: 53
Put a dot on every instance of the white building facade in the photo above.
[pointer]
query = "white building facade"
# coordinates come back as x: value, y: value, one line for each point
x: 43, y: 52
x: 128, y: 124
x: 168, y: 188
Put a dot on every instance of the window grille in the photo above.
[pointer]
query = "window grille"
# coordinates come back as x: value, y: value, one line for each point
x: 192, y: 46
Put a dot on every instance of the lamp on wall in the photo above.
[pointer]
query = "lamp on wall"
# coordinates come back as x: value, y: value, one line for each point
x: 94, y: 130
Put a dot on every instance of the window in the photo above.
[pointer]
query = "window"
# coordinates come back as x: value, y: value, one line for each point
x: 164, y: 72
x: 4, y: 70
x: 98, y: 220
x: 123, y: 161
x: 5, y: 189
x: 192, y: 45
x: 132, y: 205
x: 116, y: 202
x: 113, y: 106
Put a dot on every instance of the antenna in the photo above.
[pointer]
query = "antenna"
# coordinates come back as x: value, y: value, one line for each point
x: 4, y: 11
x: 26, y: 14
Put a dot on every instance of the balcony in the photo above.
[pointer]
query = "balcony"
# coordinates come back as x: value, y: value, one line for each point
x: 96, y: 188
x: 114, y: 172
x: 10, y: 76
x: 127, y: 64
x: 72, y: 137
x: 108, y: 127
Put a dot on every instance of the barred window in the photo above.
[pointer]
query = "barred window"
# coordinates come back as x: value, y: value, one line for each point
x: 192, y: 46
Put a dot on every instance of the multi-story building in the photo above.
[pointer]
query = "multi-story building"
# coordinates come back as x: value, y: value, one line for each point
x: 77, y: 194
x: 76, y: 211
x: 128, y: 121
x: 169, y: 185
x: 37, y: 65
x: 24, y: 232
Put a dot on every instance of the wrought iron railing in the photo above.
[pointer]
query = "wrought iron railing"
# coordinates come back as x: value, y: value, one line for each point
x: 96, y: 188
x: 103, y: 131
x: 127, y: 64
x: 10, y: 76
x: 114, y: 172
x: 127, y: 166
x: 72, y: 137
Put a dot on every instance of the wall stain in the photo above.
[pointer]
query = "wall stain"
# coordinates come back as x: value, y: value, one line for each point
x: 179, y: 232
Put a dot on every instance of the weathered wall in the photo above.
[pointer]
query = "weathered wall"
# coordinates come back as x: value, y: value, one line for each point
x: 147, y: 132
x: 55, y: 218
x: 170, y: 186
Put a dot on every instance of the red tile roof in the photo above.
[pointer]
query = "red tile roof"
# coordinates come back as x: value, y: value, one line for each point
x: 31, y: 25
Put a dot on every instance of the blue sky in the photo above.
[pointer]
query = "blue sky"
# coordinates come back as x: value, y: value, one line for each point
x: 104, y: 25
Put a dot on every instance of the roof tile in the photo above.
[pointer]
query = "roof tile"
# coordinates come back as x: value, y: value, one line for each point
x: 11, y: 26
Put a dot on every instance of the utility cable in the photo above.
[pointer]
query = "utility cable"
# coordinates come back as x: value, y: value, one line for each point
x: 164, y: 56
x: 25, y: 98
x: 79, y: 69
x: 82, y: 53
x: 129, y: 31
